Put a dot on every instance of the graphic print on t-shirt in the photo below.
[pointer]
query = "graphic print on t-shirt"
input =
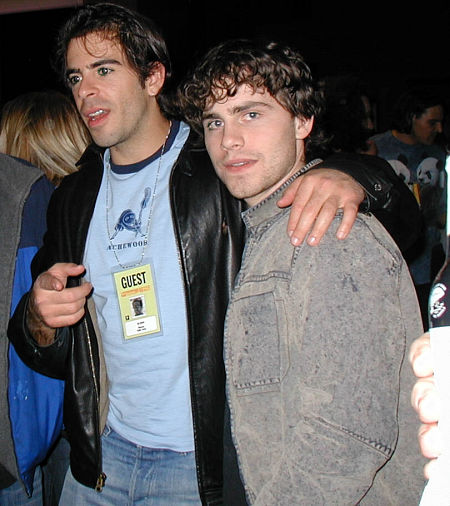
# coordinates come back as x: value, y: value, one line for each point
x: 128, y: 220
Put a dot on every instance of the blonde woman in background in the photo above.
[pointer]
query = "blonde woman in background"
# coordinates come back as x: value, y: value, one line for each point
x: 45, y: 129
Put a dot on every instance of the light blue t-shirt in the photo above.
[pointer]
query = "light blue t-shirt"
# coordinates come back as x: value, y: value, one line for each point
x: 148, y: 376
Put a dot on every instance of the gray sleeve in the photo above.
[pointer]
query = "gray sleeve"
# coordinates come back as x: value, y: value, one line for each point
x: 356, y: 440
x: 401, y: 480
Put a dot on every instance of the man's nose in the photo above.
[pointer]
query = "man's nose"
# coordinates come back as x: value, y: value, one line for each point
x: 86, y: 87
x: 232, y: 137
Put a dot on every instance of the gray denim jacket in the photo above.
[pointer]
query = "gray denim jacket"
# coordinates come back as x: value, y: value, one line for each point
x: 318, y: 382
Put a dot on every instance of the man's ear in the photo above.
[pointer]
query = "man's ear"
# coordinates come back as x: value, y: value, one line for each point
x: 155, y: 81
x: 303, y: 127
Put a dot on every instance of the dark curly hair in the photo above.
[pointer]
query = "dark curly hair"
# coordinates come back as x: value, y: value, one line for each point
x: 138, y: 36
x: 273, y: 66
x: 412, y: 104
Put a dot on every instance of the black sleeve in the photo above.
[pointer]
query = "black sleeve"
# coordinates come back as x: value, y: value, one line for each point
x: 387, y: 196
x: 49, y: 360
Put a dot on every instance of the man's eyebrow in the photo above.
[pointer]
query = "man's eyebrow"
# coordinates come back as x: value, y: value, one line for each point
x: 96, y: 64
x: 249, y: 105
x: 237, y: 109
x: 208, y: 115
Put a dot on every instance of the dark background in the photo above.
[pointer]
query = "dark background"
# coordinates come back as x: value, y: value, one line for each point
x: 390, y: 47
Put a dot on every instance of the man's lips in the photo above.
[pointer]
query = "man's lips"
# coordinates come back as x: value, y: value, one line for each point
x: 238, y: 164
x: 95, y: 116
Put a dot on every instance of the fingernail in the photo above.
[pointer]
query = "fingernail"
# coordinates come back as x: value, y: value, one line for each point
x: 312, y: 240
x: 295, y: 241
x: 290, y: 232
x: 340, y: 235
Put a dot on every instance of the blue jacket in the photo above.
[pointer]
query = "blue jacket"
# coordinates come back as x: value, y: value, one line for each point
x: 33, y: 420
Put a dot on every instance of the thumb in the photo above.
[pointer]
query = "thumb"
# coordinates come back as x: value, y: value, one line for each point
x: 56, y: 277
x: 48, y: 281
x: 288, y: 195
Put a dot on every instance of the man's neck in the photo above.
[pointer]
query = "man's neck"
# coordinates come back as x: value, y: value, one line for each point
x: 144, y: 145
x: 253, y: 201
x: 405, y: 138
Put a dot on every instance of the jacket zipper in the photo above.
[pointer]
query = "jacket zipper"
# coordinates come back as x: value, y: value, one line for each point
x: 100, y: 483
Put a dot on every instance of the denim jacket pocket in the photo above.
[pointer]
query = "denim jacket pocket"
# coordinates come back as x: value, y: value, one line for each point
x: 259, y: 351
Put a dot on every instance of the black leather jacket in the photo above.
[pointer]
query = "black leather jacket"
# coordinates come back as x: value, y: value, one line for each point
x: 209, y: 233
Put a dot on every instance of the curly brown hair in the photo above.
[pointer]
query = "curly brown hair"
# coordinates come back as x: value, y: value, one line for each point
x: 271, y: 66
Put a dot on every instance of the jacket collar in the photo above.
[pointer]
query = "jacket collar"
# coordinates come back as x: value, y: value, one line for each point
x: 267, y: 210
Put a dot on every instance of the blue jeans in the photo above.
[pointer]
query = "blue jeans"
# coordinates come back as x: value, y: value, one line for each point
x: 54, y: 471
x: 137, y: 475
x: 15, y: 495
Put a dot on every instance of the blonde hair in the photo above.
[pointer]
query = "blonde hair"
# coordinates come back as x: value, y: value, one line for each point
x: 45, y: 129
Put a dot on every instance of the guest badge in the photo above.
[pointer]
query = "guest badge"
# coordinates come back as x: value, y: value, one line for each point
x: 136, y: 294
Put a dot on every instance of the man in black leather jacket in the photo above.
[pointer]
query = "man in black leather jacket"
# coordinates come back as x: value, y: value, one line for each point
x: 116, y: 64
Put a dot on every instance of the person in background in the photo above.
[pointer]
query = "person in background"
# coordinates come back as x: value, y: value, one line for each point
x: 144, y: 397
x: 348, y: 123
x: 315, y: 338
x: 29, y: 420
x: 410, y: 147
x: 425, y: 401
x: 44, y: 128
x: 348, y: 116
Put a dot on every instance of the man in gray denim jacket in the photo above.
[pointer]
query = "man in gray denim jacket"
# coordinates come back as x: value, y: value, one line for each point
x: 317, y: 381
